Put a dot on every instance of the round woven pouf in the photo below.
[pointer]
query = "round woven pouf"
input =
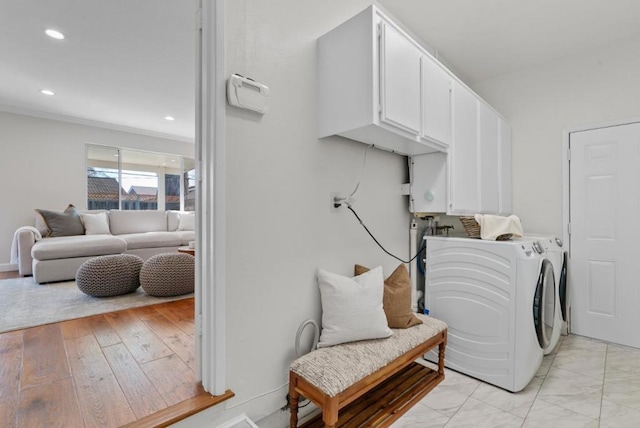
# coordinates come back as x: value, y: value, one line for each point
x: 107, y: 276
x: 169, y: 274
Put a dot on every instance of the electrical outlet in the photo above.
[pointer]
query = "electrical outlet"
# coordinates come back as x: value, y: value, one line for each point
x: 335, y: 209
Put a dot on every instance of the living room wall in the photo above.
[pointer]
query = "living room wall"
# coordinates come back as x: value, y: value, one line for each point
x: 42, y: 165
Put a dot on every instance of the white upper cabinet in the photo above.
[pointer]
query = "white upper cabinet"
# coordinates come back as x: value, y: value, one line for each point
x: 479, y: 158
x: 378, y: 86
x: 506, y: 197
x: 463, y: 156
x: 399, y: 80
x: 489, y: 145
x: 436, y: 101
x: 370, y: 87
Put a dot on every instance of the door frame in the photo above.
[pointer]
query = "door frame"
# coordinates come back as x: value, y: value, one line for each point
x: 566, y: 196
x: 210, y: 197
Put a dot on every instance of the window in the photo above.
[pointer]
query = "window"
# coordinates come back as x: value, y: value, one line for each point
x: 136, y: 180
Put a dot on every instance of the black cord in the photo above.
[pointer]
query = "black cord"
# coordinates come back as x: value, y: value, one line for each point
x: 380, y: 245
x: 304, y: 405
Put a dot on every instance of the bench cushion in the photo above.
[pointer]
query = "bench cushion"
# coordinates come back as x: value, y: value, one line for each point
x: 334, y: 369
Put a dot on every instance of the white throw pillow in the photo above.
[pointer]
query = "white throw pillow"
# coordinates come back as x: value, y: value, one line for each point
x: 352, y: 307
x: 187, y: 221
x: 95, y: 224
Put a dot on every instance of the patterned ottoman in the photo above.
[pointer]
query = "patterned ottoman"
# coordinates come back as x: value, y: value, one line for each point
x: 112, y: 275
x: 169, y: 274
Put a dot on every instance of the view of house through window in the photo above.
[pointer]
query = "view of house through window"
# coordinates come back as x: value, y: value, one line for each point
x: 135, y: 180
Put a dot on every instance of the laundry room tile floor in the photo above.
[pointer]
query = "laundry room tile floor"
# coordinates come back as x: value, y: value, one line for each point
x: 584, y: 383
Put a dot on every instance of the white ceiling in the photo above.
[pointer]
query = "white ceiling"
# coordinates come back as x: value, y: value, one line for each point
x: 130, y: 63
x: 123, y: 62
x: 482, y: 39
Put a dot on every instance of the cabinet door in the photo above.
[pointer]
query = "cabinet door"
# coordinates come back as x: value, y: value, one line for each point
x: 506, y: 197
x: 428, y: 175
x: 436, y: 102
x: 399, y: 80
x: 489, y: 159
x: 463, y: 160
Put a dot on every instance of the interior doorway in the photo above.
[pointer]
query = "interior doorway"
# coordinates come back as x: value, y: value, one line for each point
x: 604, y: 206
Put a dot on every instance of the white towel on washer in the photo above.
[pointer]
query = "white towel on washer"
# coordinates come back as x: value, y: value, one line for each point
x: 492, y: 226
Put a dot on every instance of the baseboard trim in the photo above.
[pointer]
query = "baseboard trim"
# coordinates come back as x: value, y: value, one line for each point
x: 8, y: 267
x: 180, y: 411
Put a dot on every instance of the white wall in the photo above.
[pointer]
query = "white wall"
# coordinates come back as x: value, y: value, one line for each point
x: 280, y: 176
x: 42, y: 165
x: 585, y: 89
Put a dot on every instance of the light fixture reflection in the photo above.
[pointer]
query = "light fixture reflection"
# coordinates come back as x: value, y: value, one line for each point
x: 54, y: 34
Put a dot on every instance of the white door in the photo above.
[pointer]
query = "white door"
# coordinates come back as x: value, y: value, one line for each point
x: 604, y: 213
x: 400, y: 81
x: 463, y: 155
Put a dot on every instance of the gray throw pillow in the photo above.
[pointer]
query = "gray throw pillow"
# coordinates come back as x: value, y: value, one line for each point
x: 67, y: 223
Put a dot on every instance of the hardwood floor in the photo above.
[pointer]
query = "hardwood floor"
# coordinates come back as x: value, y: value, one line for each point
x: 9, y: 275
x: 107, y: 370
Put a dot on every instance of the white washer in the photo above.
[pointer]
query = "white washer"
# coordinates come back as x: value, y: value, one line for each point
x: 491, y: 294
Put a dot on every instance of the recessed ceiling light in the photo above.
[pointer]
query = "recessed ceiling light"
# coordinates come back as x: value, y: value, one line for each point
x: 54, y: 34
x: 169, y: 118
x: 47, y: 92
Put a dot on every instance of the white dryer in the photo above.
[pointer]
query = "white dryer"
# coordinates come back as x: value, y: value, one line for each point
x: 553, y: 250
x: 492, y: 296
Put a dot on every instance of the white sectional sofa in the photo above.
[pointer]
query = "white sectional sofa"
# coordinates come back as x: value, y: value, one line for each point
x: 143, y: 233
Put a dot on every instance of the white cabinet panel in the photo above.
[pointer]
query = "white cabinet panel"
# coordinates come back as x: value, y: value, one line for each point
x: 489, y: 137
x: 436, y: 102
x: 400, y: 80
x: 506, y: 197
x: 369, y: 85
x: 478, y: 163
x: 429, y: 183
x: 463, y: 162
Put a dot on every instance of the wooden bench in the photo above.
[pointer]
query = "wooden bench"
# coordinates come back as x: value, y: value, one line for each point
x: 369, y: 383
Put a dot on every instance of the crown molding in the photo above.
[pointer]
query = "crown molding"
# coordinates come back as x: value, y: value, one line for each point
x: 94, y: 123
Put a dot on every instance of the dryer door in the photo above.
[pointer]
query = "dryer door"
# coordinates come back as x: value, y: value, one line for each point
x: 563, y: 287
x: 544, y: 307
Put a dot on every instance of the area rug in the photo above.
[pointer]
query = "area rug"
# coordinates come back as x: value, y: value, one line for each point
x: 24, y: 303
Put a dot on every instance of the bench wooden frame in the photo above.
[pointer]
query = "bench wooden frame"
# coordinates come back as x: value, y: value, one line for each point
x: 382, y: 414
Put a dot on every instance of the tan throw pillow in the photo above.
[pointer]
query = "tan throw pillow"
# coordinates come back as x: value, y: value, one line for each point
x: 396, y: 300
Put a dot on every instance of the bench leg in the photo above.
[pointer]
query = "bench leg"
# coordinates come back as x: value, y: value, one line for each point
x: 293, y: 401
x: 330, y: 412
x: 293, y: 422
x: 441, y: 348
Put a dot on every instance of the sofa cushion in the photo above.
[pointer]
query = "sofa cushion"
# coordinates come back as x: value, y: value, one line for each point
x: 77, y: 246
x: 128, y: 222
x: 151, y: 240
x: 187, y: 221
x: 95, y: 223
x: 173, y: 220
x: 186, y: 236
